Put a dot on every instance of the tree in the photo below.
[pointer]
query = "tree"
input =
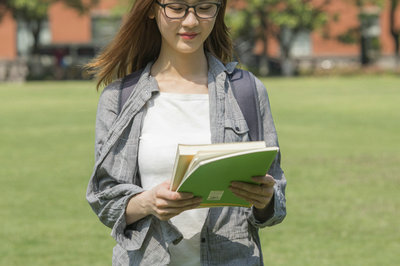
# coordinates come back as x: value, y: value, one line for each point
x: 121, y: 8
x: 245, y: 30
x: 34, y: 13
x: 289, y: 18
x: 367, y: 34
x: 395, y: 32
x: 283, y: 20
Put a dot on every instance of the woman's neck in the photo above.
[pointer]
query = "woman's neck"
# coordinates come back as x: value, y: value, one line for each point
x: 191, y: 67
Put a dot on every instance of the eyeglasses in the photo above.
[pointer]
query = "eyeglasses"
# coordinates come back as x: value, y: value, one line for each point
x: 203, y: 10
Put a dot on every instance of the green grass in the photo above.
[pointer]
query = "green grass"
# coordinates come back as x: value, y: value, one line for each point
x: 47, y: 137
x: 340, y: 142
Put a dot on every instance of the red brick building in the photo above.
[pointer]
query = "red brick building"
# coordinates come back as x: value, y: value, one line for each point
x: 66, y: 26
x: 348, y: 18
x: 8, y: 39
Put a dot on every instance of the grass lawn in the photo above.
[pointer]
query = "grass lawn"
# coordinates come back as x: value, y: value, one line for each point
x: 340, y: 142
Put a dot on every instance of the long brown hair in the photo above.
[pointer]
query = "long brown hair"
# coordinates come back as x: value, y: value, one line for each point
x: 139, y: 41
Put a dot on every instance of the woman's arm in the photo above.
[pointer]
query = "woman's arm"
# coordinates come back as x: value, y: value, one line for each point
x: 278, y: 201
x: 107, y: 195
x: 268, y: 198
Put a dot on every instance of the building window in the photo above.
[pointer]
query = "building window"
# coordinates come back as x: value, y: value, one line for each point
x: 104, y: 29
x: 25, y: 38
x: 302, y: 45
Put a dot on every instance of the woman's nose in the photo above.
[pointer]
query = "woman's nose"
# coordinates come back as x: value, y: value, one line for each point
x: 191, y: 19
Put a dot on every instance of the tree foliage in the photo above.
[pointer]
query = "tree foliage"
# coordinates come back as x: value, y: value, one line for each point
x: 122, y: 7
x: 276, y: 18
x: 37, y: 9
x: 362, y: 3
x: 35, y: 12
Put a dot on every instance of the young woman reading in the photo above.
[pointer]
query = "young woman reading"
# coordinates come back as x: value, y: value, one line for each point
x: 183, y: 95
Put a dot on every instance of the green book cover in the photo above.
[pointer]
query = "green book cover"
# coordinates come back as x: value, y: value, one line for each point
x: 185, y: 156
x: 211, y: 178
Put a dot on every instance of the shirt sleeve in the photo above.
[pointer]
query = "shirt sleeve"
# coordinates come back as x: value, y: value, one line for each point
x: 107, y: 195
x: 271, y: 139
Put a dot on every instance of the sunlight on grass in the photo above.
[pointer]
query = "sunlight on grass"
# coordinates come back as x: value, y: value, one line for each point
x: 340, y: 142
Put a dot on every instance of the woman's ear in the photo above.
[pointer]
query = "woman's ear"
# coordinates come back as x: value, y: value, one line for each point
x: 152, y: 13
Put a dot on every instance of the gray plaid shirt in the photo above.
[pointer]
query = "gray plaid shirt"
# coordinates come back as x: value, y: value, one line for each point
x: 230, y: 234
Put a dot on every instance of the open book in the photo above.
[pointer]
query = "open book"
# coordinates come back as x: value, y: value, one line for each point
x: 208, y: 170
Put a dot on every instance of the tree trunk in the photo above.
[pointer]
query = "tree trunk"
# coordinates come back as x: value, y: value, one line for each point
x: 365, y: 60
x: 395, y: 33
x: 397, y: 49
x: 36, y: 27
x: 264, y: 61
x: 287, y: 64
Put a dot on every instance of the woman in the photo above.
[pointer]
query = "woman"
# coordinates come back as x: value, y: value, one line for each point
x: 183, y: 95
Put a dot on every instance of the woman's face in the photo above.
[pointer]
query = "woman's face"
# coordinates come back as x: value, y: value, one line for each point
x: 185, y: 35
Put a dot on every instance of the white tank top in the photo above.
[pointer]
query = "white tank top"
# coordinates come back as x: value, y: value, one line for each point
x: 173, y: 119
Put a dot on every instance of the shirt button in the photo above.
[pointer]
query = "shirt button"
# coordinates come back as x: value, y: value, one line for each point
x: 203, y: 240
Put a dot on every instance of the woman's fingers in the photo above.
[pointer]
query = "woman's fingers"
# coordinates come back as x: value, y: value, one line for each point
x: 253, y: 196
x: 163, y: 191
x: 256, y: 203
x: 250, y: 188
x: 165, y: 213
x: 164, y: 203
x: 256, y: 200
x: 167, y: 203
x: 267, y: 180
x: 263, y: 188
x: 258, y: 195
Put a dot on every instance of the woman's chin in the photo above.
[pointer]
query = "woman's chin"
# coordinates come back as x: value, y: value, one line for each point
x: 189, y: 49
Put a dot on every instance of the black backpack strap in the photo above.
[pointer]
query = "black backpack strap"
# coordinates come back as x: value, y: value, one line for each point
x: 127, y: 85
x: 245, y: 91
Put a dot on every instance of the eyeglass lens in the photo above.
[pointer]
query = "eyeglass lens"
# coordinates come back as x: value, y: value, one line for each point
x: 202, y: 10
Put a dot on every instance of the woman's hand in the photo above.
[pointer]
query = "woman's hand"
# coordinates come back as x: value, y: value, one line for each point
x: 257, y: 195
x: 160, y: 202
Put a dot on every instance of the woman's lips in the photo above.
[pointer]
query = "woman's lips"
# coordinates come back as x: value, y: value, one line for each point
x: 188, y: 36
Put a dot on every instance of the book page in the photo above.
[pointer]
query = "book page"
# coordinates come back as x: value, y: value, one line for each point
x: 205, y: 155
x: 179, y: 171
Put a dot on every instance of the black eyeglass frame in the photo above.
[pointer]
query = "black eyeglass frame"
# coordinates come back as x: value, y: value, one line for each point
x: 218, y: 4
